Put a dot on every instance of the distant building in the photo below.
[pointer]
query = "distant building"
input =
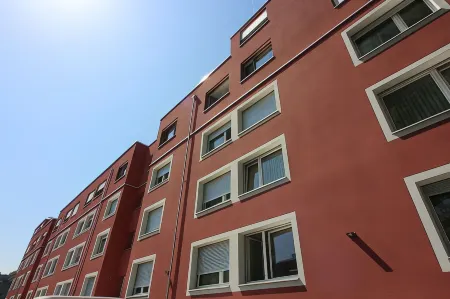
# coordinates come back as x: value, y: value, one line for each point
x: 5, y: 283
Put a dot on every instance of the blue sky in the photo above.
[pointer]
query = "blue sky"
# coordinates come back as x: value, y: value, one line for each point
x: 81, y: 80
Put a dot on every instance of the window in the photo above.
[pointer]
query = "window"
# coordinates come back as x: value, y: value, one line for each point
x: 37, y: 273
x: 219, y: 137
x: 84, y: 224
x: 254, y: 26
x: 217, y: 93
x: 63, y: 288
x: 336, y: 3
x: 50, y: 266
x: 90, y: 197
x: 18, y: 296
x: 69, y: 213
x: 111, y: 206
x: 41, y: 292
x: 151, y: 220
x: 34, y: 257
x: 415, y: 97
x: 161, y: 173
x: 216, y: 191
x: 47, y: 248
x: 256, y: 61
x: 100, y: 244
x: 140, y: 276
x: 100, y: 188
x: 18, y: 282
x: 73, y: 256
x: 61, y: 239
x: 264, y: 170
x: 259, y: 111
x: 213, y: 264
x: 389, y: 23
x: 29, y: 295
x: 168, y: 133
x: 75, y: 209
x: 26, y: 278
x: 88, y: 284
x: 259, y: 256
x: 122, y: 171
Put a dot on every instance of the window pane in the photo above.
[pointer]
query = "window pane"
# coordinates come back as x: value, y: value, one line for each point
x: 219, y: 136
x: 101, y: 245
x: 68, y: 258
x: 284, y: 262
x: 112, y: 207
x: 216, y: 188
x: 143, y: 273
x: 208, y: 279
x: 213, y: 258
x: 376, y: 37
x: 259, y: 111
x: 171, y: 133
x: 164, y: 170
x: 218, y: 93
x: 249, y: 68
x: 254, y: 25
x: 446, y: 74
x: 254, y: 257
x: 272, y: 167
x: 154, y: 220
x: 415, y: 102
x: 415, y: 12
x: 263, y: 58
x: 252, y: 172
x: 89, y: 285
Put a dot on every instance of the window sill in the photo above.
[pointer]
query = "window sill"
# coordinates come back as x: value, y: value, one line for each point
x: 167, y: 141
x: 249, y: 37
x: 138, y: 296
x: 257, y: 70
x: 272, y: 283
x: 211, y: 152
x: 259, y: 123
x: 399, y: 36
x: 69, y: 267
x: 264, y: 188
x: 422, y: 124
x: 148, y: 235
x: 109, y: 216
x: 213, y: 208
x: 217, y: 102
x: 209, y: 290
x: 157, y: 186
x: 93, y: 257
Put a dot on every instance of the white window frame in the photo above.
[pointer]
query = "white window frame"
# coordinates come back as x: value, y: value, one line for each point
x: 414, y: 183
x: 144, y: 219
x: 39, y: 291
x: 132, y: 276
x: 26, y: 278
x: 236, y: 168
x: 75, y: 209
x: 49, y: 262
x: 155, y: 171
x: 97, y: 243
x: 83, y: 221
x: 373, y: 92
x: 89, y: 198
x: 18, y: 296
x: 37, y: 273
x: 62, y: 283
x: 58, y: 243
x: 90, y: 275
x: 237, y: 265
x: 48, y: 248
x: 235, y: 117
x: 108, y: 205
x: 125, y: 173
x: 18, y: 282
x: 258, y: 23
x: 70, y: 265
x: 373, y: 18
x: 29, y: 295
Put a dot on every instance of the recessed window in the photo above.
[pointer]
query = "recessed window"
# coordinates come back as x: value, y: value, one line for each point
x: 84, y: 224
x: 213, y: 264
x: 100, y: 189
x: 219, y: 137
x: 69, y: 213
x: 26, y: 278
x: 254, y: 26
x: 151, y: 220
x: 161, y: 173
x: 140, y: 277
x: 258, y: 111
x: 217, y: 93
x: 216, y: 191
x: 63, y: 288
x: 111, y: 208
x: 100, y: 244
x: 122, y: 171
x: 88, y: 284
x: 337, y: 2
x: 264, y: 170
x: 75, y: 209
x: 61, y: 239
x: 37, y: 273
x: 50, y: 266
x: 41, y: 292
x: 168, y: 133
x: 73, y: 256
x: 90, y: 197
x: 256, y: 61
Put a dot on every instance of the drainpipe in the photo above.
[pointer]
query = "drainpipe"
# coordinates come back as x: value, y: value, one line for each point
x: 89, y: 239
x: 169, y: 272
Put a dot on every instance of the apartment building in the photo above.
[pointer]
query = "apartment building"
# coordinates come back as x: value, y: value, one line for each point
x: 313, y: 162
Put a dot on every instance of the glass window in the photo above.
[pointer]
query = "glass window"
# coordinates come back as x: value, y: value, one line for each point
x: 377, y: 36
x: 88, y: 286
x: 100, y: 189
x: 162, y: 174
x: 142, y: 279
x: 219, y: 137
x: 90, y: 197
x: 168, y: 133
x: 256, y: 62
x: 216, y: 191
x: 213, y: 264
x: 446, y: 74
x: 111, y: 208
x: 264, y: 170
x: 270, y: 254
x: 153, y: 220
x: 101, y: 244
x: 415, y: 12
x: 122, y: 171
x: 217, y: 93
x: 254, y: 26
x: 258, y: 111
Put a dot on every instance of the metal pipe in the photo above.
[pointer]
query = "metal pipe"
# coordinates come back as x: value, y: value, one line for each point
x: 169, y: 272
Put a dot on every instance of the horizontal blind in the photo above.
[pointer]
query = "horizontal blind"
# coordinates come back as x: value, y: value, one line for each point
x: 272, y: 167
x: 143, y: 273
x: 216, y: 188
x: 258, y: 111
x: 437, y: 187
x: 213, y: 258
x: 154, y: 220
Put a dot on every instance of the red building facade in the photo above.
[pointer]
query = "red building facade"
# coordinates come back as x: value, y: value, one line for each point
x: 314, y: 161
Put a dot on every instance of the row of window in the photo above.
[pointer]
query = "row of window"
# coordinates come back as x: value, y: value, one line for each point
x: 28, y: 261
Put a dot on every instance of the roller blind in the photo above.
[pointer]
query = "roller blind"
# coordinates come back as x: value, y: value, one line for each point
x: 89, y: 286
x: 154, y: 220
x: 143, y: 273
x: 216, y: 188
x: 219, y: 131
x: 272, y: 167
x: 213, y: 258
x: 258, y: 111
x: 437, y: 188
